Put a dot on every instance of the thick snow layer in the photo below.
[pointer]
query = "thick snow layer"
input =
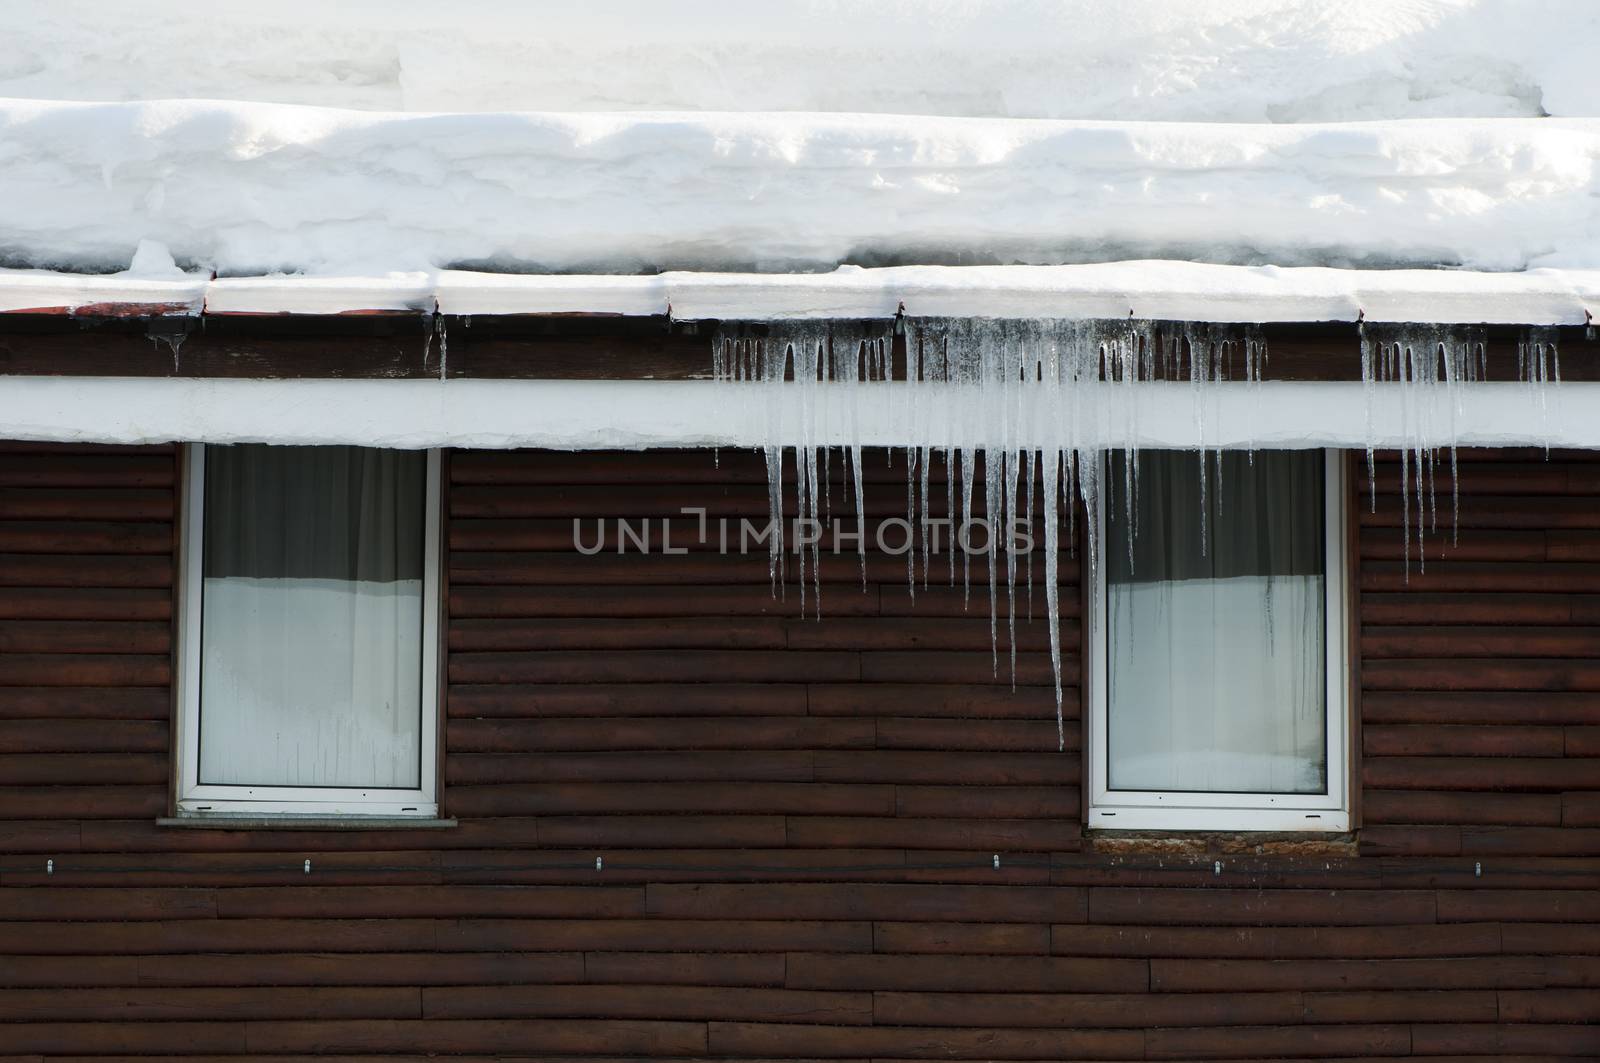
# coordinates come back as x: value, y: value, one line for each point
x: 253, y: 188
x: 1169, y: 291
x: 570, y: 414
x: 1185, y: 60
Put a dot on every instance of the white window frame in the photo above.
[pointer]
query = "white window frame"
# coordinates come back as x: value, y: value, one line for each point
x: 220, y: 800
x: 1171, y: 810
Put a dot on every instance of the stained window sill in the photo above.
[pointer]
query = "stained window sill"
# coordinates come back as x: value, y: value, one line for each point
x: 291, y: 821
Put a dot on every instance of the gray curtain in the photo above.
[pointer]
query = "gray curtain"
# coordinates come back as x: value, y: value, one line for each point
x: 314, y: 512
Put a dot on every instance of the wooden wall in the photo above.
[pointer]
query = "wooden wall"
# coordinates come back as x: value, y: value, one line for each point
x: 797, y: 820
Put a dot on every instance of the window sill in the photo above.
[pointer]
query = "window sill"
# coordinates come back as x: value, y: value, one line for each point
x: 292, y: 821
x: 1214, y: 843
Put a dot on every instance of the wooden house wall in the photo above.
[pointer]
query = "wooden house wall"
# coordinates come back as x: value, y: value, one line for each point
x: 795, y: 821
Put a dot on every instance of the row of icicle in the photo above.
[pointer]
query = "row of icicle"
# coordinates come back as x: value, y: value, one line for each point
x: 1031, y: 379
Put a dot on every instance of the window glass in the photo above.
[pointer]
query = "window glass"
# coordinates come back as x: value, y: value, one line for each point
x: 311, y: 617
x: 1215, y: 612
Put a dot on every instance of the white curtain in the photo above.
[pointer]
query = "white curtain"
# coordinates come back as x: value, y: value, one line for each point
x: 311, y: 620
x: 1216, y: 626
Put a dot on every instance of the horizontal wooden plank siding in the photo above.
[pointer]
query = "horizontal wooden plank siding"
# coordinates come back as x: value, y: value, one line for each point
x: 696, y: 824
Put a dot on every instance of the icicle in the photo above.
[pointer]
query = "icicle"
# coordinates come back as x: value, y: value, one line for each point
x: 1031, y: 409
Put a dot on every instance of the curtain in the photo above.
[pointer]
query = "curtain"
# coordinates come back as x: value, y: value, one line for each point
x: 1215, y: 590
x: 311, y: 617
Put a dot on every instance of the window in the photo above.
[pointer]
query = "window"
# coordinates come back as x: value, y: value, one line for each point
x: 1218, y: 647
x: 309, y: 657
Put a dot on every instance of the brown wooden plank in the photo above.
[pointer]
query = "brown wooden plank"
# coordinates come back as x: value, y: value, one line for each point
x: 1424, y: 806
x: 1202, y: 975
x: 1547, y: 1005
x: 83, y: 769
x: 83, y: 802
x: 98, y: 703
x: 1417, y: 607
x: 1529, y: 841
x: 1462, y: 741
x: 1509, y: 906
x: 503, y: 601
x: 612, y: 633
x: 1480, y: 674
x: 1076, y: 1010
x: 1479, y: 707
x: 829, y: 938
x: 976, y: 735
x: 1491, y: 511
x: 961, y: 667
x: 946, y: 768
x: 1476, y: 478
x: 84, y: 636
x: 294, y: 969
x: 866, y: 901
x: 840, y: 574
x: 731, y: 865
x: 652, y: 666
x: 1547, y: 1040
x: 173, y: 1004
x: 1584, y: 742
x: 623, y: 733
x: 663, y: 832
x: 1480, y: 773
x: 1476, y: 544
x: 467, y: 700
x: 1479, y: 642
x: 1543, y: 577
x: 919, y: 633
x: 1401, y: 1005
x: 546, y: 799
x: 84, y: 570
x: 389, y: 901
x: 1257, y: 1041
x: 443, y: 1036
x: 763, y: 1040
x: 135, y: 1038
x: 84, y: 669
x: 83, y: 736
x: 1580, y: 809
x: 985, y: 701
x: 777, y: 765
x: 85, y: 603
x: 969, y: 802
x: 1016, y: 835
x: 648, y: 1002
x: 978, y: 938
x: 88, y: 503
x: 220, y: 935
x: 1556, y: 939
x: 118, y: 905
x: 86, y: 537
x: 1277, y: 942
x: 113, y: 467
x: 679, y: 968
x: 39, y: 836
x: 1226, y: 907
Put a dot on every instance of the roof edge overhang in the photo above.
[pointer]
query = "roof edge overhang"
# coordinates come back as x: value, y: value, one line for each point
x: 1152, y: 290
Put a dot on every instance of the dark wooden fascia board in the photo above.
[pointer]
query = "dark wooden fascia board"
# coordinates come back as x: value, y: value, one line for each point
x: 532, y: 347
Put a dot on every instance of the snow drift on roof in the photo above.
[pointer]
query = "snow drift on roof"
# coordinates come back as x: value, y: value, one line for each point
x: 253, y: 188
x: 1184, y: 60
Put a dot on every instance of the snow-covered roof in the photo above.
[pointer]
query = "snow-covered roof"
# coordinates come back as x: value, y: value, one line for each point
x: 1184, y: 291
x: 1242, y: 160
x: 1159, y: 60
x: 249, y: 189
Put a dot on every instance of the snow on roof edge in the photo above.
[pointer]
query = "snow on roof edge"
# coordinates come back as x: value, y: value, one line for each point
x: 1162, y: 290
